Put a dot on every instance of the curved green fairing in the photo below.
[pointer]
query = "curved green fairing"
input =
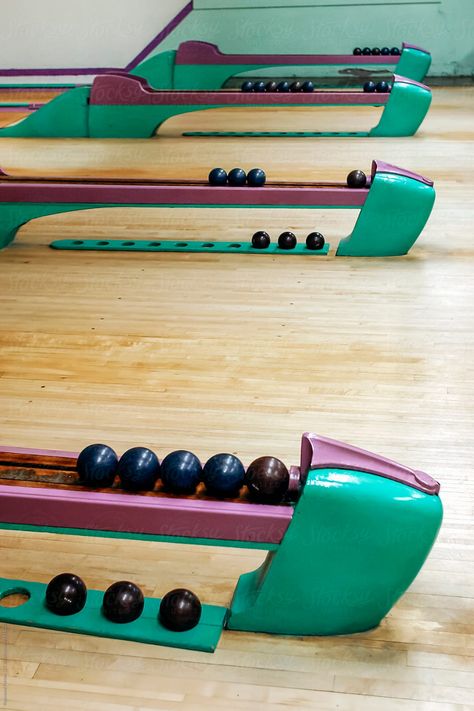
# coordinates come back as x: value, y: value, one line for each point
x: 66, y: 116
x: 158, y: 70
x: 405, y: 110
x: 72, y: 115
x: 162, y: 72
x: 392, y: 217
x: 354, y: 545
x: 414, y: 63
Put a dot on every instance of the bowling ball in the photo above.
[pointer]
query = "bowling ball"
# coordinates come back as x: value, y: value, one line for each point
x: 181, y: 472
x: 66, y: 594
x: 287, y: 240
x: 223, y: 475
x: 256, y: 178
x: 138, y: 469
x: 267, y: 479
x: 97, y: 465
x: 315, y: 241
x: 237, y: 177
x: 217, y: 177
x: 180, y: 610
x: 356, y: 179
x: 123, y: 602
x: 260, y: 240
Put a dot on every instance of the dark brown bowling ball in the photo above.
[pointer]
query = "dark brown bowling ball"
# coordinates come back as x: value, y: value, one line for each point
x: 356, y: 179
x: 180, y: 610
x: 123, y: 602
x: 66, y: 594
x: 267, y: 479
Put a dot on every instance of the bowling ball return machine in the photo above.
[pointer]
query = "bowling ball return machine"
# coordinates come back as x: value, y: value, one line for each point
x: 394, y: 207
x: 121, y: 105
x: 349, y: 539
x: 201, y: 66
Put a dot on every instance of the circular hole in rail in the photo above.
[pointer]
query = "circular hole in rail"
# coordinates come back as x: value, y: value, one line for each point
x: 208, y: 244
x: 102, y: 243
x: 14, y: 597
x: 78, y: 241
x: 128, y: 244
x: 155, y: 244
x: 236, y: 246
x: 181, y: 244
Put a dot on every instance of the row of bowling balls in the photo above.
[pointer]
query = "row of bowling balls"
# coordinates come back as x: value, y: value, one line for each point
x: 375, y: 51
x: 267, y: 478
x: 237, y: 177
x: 260, y: 87
x: 66, y: 594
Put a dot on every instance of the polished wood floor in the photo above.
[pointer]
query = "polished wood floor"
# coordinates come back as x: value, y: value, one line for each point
x: 242, y: 354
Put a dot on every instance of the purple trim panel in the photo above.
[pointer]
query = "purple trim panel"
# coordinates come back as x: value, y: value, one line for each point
x: 195, y: 52
x: 322, y: 453
x: 42, y: 192
x: 378, y: 166
x: 404, y: 80
x: 406, y: 45
x: 161, y: 36
x: 73, y: 72
x: 158, y: 516
x: 39, y: 452
x: 295, y: 480
x: 116, y: 90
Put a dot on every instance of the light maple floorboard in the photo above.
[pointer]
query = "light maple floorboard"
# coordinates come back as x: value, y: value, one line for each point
x: 213, y: 353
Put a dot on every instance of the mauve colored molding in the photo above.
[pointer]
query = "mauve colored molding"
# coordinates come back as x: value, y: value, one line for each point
x: 64, y: 192
x: 158, y: 516
x: 121, y: 90
x: 39, y: 452
x: 405, y: 80
x: 323, y: 453
x: 407, y: 45
x: 379, y: 166
x: 195, y: 52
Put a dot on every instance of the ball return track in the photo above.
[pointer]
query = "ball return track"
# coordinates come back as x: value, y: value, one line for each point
x: 350, y: 538
x: 125, y: 106
x: 394, y: 208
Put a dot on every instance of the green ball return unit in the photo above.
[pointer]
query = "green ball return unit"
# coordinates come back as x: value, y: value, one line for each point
x: 394, y: 207
x: 125, y: 106
x: 201, y: 66
x: 342, y: 548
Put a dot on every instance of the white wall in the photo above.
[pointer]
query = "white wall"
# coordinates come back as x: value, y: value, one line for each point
x: 79, y: 33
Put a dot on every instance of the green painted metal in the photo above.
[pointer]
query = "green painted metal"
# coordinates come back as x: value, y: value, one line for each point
x: 355, y: 543
x: 65, y: 116
x: 224, y: 543
x: 71, y: 115
x: 90, y: 620
x: 394, y: 214
x: 161, y: 71
x: 175, y: 246
x: 405, y: 110
x: 158, y: 70
x: 414, y: 64
x: 14, y: 215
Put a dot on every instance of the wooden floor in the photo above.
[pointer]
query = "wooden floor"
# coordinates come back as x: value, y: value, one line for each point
x: 242, y: 354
